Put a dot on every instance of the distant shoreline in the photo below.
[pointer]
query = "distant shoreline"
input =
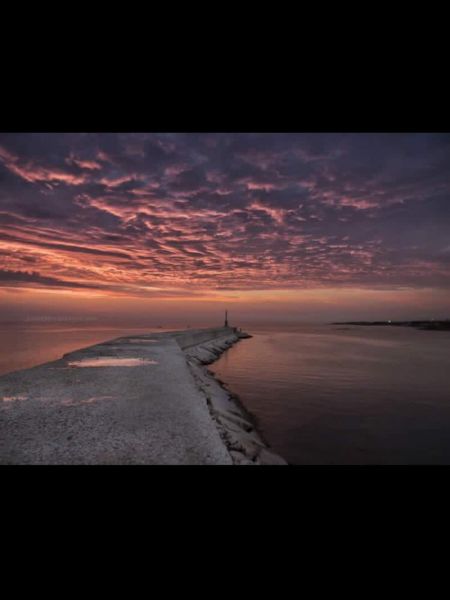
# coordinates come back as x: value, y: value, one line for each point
x: 426, y: 325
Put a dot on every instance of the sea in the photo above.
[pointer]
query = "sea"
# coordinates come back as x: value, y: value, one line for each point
x: 346, y: 395
x: 321, y: 394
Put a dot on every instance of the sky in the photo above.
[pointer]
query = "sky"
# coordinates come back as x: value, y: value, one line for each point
x: 177, y: 227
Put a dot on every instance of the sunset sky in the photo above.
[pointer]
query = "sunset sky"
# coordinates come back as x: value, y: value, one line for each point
x: 271, y: 226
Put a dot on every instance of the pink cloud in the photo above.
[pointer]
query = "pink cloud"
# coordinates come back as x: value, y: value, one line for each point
x: 90, y: 165
x: 277, y: 214
x: 32, y: 172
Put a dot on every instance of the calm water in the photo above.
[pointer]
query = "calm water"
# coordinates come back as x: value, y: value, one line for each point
x: 27, y: 345
x: 359, y: 395
x: 321, y: 394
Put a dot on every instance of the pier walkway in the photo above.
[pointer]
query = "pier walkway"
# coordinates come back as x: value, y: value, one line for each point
x: 131, y: 400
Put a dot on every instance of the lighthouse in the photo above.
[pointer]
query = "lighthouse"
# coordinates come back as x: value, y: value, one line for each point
x: 226, y: 319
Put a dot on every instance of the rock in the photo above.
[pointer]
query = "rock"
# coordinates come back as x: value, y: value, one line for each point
x: 265, y: 457
x: 240, y: 459
x: 237, y: 420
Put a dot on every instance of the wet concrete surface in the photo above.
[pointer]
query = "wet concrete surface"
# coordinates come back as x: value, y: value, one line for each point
x: 144, y: 408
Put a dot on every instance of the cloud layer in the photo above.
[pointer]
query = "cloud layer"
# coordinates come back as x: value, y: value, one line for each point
x: 167, y: 214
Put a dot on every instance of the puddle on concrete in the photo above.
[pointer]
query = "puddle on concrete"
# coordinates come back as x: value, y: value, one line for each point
x: 112, y: 361
x: 135, y: 340
x: 73, y: 402
x: 140, y: 341
x: 13, y: 398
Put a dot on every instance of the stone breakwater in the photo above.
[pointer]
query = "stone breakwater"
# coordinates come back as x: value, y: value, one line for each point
x: 143, y: 399
x: 236, y: 426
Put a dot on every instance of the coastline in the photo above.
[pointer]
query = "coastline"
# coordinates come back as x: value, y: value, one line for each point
x: 425, y: 325
x: 236, y: 425
x: 146, y: 399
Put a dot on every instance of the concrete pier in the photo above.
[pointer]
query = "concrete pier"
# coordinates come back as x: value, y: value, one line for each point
x: 131, y: 400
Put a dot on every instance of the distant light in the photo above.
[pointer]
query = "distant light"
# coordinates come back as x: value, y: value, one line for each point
x: 389, y: 321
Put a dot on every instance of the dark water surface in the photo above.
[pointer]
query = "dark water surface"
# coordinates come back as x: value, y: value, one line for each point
x: 321, y: 394
x: 346, y: 395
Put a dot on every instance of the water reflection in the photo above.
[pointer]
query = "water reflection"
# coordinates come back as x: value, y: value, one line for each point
x: 28, y: 345
x: 140, y: 341
x: 75, y: 402
x: 13, y: 398
x: 360, y: 396
x: 112, y: 361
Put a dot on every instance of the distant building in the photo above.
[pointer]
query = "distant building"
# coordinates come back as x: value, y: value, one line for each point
x: 226, y: 319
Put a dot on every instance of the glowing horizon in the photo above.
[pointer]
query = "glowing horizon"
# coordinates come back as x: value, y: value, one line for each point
x: 300, y: 224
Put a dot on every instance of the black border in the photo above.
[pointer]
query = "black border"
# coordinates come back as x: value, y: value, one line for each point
x: 289, y: 494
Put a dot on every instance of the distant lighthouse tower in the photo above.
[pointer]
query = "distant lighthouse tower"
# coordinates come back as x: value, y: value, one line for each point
x: 226, y: 319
